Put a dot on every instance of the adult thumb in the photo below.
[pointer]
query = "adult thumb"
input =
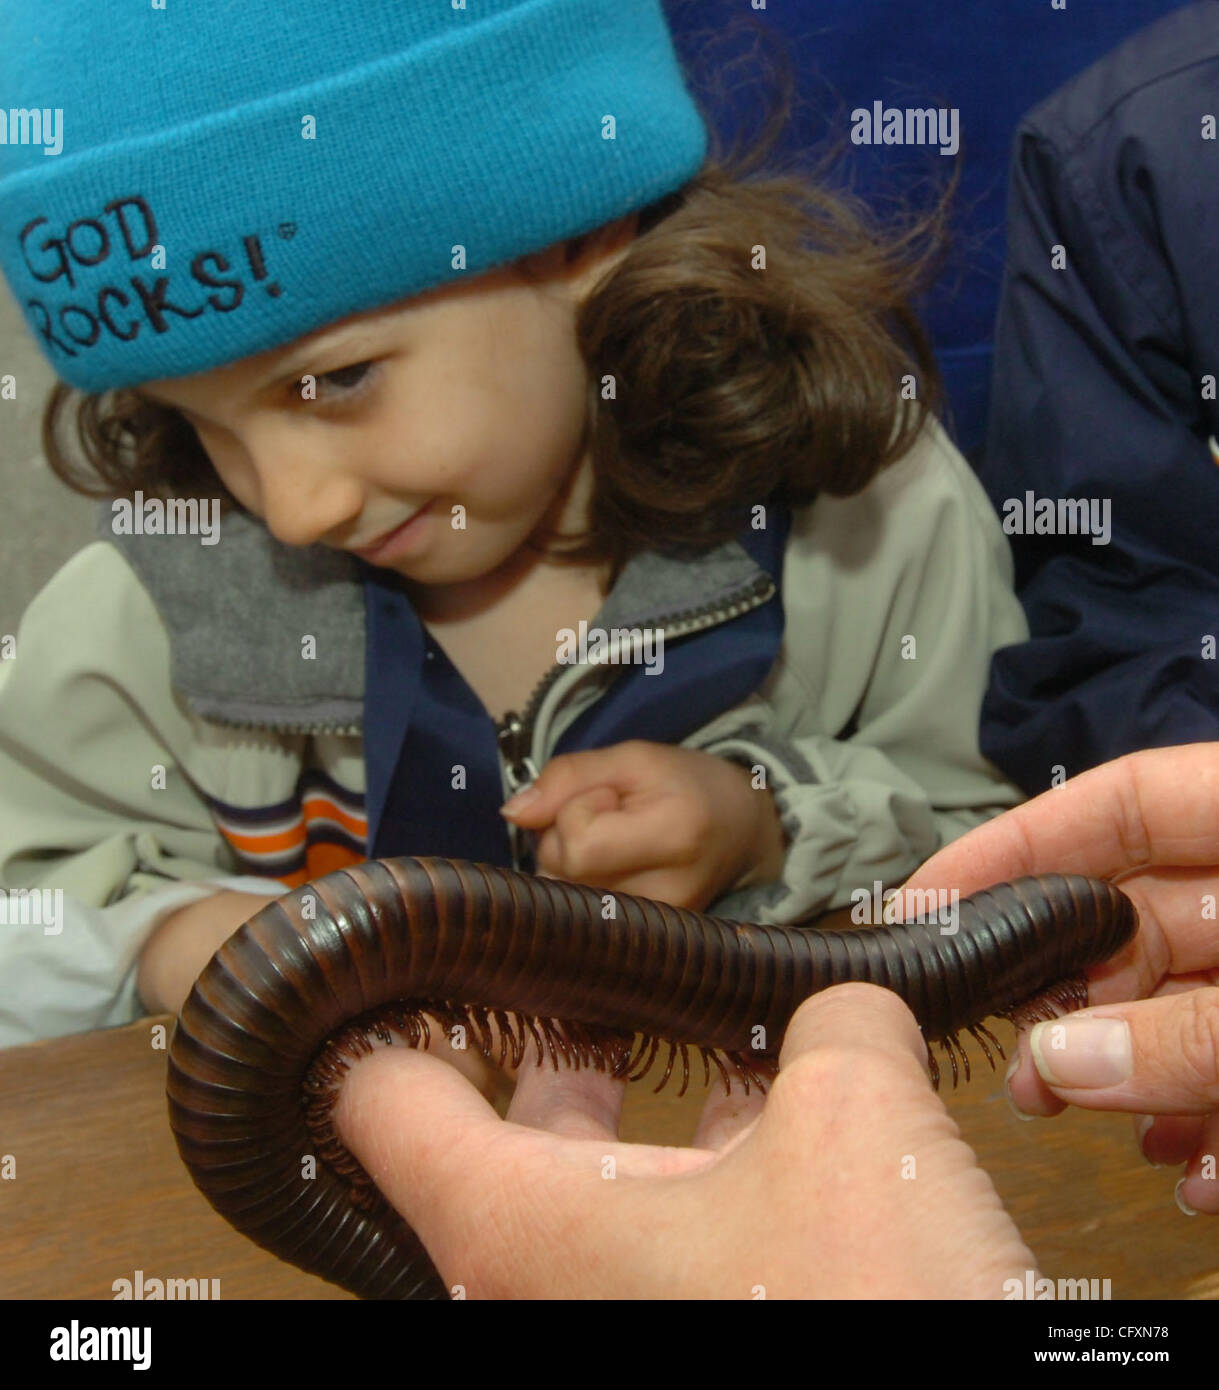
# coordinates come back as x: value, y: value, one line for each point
x: 1152, y: 1056
x: 424, y: 1135
x: 853, y: 1017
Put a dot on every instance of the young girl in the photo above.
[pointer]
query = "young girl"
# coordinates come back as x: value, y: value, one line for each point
x: 549, y: 455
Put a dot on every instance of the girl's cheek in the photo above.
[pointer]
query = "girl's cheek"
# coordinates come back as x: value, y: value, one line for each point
x: 221, y: 459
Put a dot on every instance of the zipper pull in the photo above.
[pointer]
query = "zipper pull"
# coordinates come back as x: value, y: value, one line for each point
x: 513, y: 742
x: 512, y: 736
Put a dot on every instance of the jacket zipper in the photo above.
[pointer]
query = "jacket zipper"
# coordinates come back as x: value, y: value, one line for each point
x: 280, y: 727
x: 514, y: 733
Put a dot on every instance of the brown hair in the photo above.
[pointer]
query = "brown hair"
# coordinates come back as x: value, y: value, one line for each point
x: 737, y: 379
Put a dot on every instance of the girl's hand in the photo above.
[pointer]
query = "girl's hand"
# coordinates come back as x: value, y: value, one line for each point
x: 664, y: 822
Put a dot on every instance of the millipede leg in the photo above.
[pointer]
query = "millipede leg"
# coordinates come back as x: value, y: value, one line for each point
x: 668, y: 1068
x: 982, y: 1043
x: 986, y: 1033
x: 954, y: 1041
x: 715, y: 1057
x: 640, y: 1072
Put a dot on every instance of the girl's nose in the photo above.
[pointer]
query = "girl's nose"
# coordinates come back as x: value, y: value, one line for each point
x: 307, y: 495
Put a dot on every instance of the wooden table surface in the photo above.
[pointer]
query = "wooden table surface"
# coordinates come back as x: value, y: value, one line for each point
x: 99, y: 1190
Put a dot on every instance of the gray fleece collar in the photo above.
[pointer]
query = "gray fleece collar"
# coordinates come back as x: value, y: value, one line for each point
x: 239, y: 612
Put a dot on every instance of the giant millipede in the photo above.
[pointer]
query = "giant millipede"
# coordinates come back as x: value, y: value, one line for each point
x: 260, y: 1045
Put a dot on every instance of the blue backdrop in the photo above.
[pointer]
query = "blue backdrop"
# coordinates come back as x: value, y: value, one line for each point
x: 991, y: 59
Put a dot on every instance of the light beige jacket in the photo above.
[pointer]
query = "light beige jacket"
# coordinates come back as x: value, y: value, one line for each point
x: 160, y: 737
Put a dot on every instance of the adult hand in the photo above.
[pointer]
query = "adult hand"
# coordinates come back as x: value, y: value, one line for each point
x: 1151, y: 821
x: 657, y: 820
x: 851, y: 1182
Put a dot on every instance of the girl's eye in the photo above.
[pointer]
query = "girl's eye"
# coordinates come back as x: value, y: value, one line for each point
x: 348, y: 382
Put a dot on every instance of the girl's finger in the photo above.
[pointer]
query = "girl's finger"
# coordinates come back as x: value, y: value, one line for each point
x: 559, y: 847
x: 621, y: 842
x: 571, y: 774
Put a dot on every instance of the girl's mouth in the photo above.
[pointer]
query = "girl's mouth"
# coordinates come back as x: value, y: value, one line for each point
x: 395, y: 542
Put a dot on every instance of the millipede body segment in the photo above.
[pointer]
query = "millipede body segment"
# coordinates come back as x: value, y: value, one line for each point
x: 271, y: 1024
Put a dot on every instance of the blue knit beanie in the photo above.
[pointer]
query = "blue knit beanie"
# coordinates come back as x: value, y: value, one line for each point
x: 186, y: 185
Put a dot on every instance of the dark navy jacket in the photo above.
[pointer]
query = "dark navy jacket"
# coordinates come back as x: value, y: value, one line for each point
x: 1104, y: 388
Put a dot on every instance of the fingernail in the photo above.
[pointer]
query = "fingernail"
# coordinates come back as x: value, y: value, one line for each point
x: 1086, y: 1052
x: 1181, y: 1202
x: 520, y: 800
x: 1007, y: 1090
x: 1141, y: 1126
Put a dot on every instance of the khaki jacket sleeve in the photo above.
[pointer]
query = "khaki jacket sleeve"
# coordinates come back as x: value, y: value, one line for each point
x: 867, y: 727
x: 103, y: 832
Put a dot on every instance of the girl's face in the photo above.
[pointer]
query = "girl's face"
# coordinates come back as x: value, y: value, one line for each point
x: 470, y: 401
